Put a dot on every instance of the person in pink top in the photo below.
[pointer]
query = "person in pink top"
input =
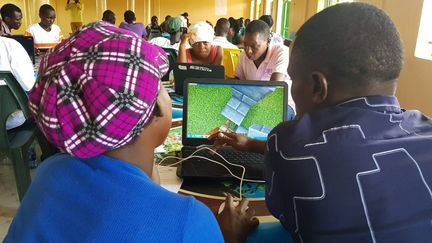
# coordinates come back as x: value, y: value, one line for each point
x: 261, y: 60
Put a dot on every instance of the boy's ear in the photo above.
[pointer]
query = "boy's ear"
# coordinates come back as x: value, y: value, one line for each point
x: 320, y: 87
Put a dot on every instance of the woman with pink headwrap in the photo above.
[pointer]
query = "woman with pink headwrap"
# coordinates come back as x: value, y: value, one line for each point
x: 99, y: 99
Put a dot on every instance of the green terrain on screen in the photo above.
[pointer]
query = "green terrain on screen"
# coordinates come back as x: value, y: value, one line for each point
x: 207, y: 102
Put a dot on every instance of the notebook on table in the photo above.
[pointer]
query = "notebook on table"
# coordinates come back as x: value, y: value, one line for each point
x: 251, y: 108
x: 183, y: 71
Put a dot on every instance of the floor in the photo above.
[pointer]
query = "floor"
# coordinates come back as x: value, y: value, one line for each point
x: 8, y: 196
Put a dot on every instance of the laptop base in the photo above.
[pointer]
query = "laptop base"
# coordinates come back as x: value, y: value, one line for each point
x: 203, y: 169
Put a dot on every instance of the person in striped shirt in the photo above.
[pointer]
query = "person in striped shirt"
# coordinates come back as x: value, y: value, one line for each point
x: 46, y: 34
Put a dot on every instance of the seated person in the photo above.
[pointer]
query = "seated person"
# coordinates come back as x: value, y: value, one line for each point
x: 104, y: 187
x: 275, y: 38
x: 163, y: 25
x: 11, y: 18
x: 45, y: 34
x: 354, y: 166
x: 131, y: 25
x: 109, y: 17
x: 173, y: 28
x: 15, y: 59
x: 200, y: 37
x: 221, y: 32
x: 153, y: 29
x: 235, y: 36
x: 261, y: 60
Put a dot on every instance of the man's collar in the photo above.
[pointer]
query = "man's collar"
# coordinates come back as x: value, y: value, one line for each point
x: 388, y: 104
x: 268, y: 54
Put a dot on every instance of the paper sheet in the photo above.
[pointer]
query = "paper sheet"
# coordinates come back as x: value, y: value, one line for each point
x: 169, y: 179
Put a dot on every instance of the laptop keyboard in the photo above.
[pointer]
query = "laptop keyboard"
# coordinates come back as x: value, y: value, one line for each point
x: 233, y: 156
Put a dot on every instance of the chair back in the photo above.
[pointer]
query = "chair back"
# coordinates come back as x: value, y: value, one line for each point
x: 12, y: 98
x: 172, y: 57
x: 230, y: 60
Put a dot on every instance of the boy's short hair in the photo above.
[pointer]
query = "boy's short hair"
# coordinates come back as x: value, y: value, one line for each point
x: 45, y: 8
x: 258, y: 26
x: 352, y: 42
x: 107, y: 14
x: 129, y: 16
x: 8, y: 10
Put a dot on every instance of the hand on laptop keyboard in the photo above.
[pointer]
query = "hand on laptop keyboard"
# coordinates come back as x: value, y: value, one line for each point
x: 237, y: 141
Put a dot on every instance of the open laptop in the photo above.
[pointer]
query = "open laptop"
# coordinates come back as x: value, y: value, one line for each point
x: 251, y: 108
x: 27, y: 42
x: 189, y: 70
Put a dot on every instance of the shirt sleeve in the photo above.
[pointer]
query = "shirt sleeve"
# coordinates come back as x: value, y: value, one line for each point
x: 201, y: 225
x: 239, y: 72
x: 21, y: 66
x: 282, y: 58
x: 28, y: 32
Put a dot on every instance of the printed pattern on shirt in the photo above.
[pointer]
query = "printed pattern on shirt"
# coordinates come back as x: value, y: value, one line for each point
x: 350, y: 185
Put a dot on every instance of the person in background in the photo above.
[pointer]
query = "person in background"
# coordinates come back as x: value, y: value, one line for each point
x: 246, y: 22
x: 173, y: 26
x: 104, y: 186
x: 153, y: 29
x: 14, y: 58
x: 275, y: 38
x: 109, y: 16
x: 185, y: 22
x: 200, y: 37
x: 76, y: 9
x: 11, y: 18
x: 45, y: 34
x: 163, y: 25
x: 131, y: 25
x: 236, y: 38
x: 221, y: 32
x: 242, y: 27
x: 261, y: 59
x: 354, y: 166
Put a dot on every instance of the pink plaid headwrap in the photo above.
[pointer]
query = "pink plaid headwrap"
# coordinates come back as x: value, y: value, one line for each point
x: 97, y: 89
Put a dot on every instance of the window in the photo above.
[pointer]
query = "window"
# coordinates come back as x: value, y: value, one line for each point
x: 285, y: 19
x: 424, y: 38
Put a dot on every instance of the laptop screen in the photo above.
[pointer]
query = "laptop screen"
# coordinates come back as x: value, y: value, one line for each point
x: 251, y: 108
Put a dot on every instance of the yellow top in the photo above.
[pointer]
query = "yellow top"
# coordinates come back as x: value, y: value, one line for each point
x: 76, y: 11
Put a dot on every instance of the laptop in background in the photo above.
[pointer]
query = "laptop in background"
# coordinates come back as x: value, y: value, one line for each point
x: 189, y: 70
x: 28, y: 44
x: 251, y: 108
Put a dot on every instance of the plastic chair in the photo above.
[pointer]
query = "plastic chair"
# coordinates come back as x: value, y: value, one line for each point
x: 16, y: 142
x: 172, y: 57
x: 230, y: 60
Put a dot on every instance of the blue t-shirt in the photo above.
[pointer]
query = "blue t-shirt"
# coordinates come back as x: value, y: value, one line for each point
x: 357, y: 172
x: 106, y: 200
